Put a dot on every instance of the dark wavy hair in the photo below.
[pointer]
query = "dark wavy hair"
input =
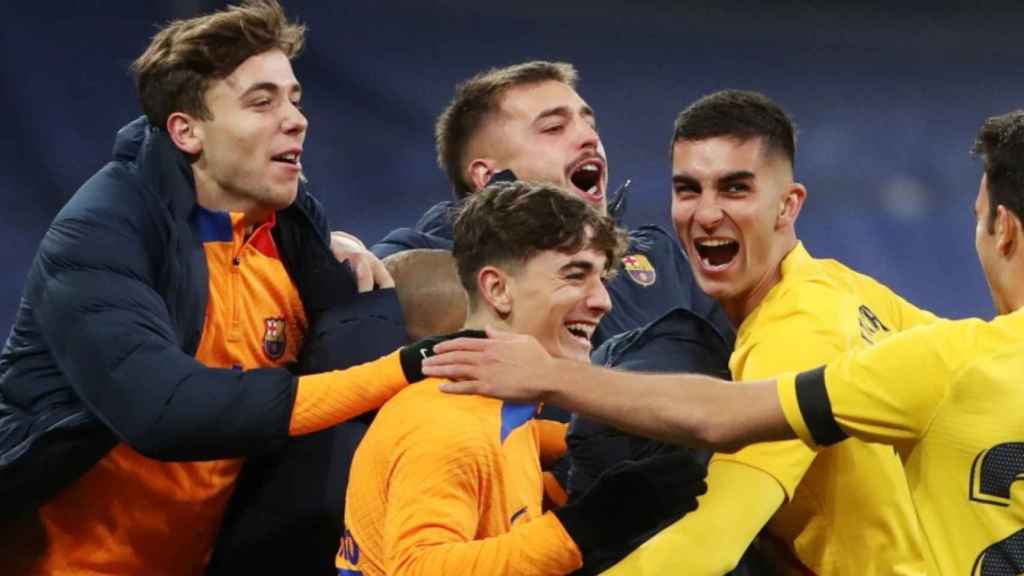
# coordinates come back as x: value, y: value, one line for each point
x: 507, y: 223
x: 175, y: 71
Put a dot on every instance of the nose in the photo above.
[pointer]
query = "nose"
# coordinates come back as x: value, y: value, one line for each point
x: 708, y: 213
x: 598, y: 299
x: 295, y: 121
x: 587, y: 135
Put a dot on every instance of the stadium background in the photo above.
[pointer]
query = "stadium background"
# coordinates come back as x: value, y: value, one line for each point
x: 888, y: 99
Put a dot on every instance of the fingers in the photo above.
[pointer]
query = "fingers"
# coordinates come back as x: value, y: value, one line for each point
x: 381, y: 277
x: 499, y: 334
x: 364, y: 273
x: 367, y: 268
x: 346, y: 238
x: 464, y: 387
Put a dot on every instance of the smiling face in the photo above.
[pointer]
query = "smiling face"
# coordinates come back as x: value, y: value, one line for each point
x: 734, y: 205
x: 559, y: 299
x: 247, y: 153
x: 543, y: 132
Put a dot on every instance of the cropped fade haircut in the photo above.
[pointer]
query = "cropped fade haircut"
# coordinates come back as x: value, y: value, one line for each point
x: 507, y: 223
x: 1000, y: 144
x: 738, y: 114
x: 185, y: 56
x: 477, y: 98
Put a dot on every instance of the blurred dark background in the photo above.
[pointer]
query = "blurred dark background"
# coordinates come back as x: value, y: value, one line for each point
x: 887, y: 98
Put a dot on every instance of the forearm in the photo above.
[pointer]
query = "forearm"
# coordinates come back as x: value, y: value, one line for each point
x: 538, y: 547
x: 712, y: 539
x: 323, y: 400
x: 687, y: 409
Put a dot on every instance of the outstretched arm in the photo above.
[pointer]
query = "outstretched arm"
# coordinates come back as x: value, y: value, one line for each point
x: 679, y: 408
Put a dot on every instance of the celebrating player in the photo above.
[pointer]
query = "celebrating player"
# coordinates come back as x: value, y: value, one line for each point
x: 735, y: 205
x: 945, y: 395
x: 452, y: 485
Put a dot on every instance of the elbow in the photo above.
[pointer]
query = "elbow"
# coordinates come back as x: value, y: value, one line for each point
x: 715, y: 432
x: 159, y: 443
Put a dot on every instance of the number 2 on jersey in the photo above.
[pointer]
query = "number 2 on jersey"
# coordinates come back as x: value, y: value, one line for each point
x: 993, y: 473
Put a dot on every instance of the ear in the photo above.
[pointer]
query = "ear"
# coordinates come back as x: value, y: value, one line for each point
x: 1008, y: 231
x: 186, y: 132
x: 493, y: 285
x: 480, y: 171
x: 790, y: 205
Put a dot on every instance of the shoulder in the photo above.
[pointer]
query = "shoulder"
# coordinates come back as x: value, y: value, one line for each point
x: 421, y: 411
x: 403, y: 239
x: 651, y: 238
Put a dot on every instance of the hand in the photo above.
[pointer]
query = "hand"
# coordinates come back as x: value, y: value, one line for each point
x: 368, y: 269
x: 506, y: 365
x: 413, y: 355
x: 631, y: 499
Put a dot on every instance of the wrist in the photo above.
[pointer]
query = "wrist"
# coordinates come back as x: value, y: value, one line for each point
x: 558, y: 375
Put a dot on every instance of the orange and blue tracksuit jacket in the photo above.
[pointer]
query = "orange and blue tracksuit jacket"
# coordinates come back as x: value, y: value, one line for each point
x: 127, y: 355
x: 446, y: 484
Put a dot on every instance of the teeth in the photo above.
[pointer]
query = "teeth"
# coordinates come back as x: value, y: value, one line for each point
x: 587, y: 329
x: 590, y: 168
x: 713, y: 242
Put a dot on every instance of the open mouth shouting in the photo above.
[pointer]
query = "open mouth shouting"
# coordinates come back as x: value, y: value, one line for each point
x: 587, y: 176
x: 716, y: 254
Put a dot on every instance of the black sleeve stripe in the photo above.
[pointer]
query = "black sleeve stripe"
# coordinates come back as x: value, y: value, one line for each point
x: 812, y: 397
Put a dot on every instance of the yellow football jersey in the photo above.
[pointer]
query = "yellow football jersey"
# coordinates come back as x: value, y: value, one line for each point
x: 839, y: 502
x: 948, y: 397
x: 844, y: 501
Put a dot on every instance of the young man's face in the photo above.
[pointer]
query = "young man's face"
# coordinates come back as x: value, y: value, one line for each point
x: 252, y: 143
x: 559, y: 298
x: 726, y: 202
x: 546, y: 133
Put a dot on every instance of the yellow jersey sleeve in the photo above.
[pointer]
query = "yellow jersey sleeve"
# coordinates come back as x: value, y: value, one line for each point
x: 805, y: 331
x: 888, y: 393
x: 907, y: 315
x: 710, y: 540
x: 435, y: 495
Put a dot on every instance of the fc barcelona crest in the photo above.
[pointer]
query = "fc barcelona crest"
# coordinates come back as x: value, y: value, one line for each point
x: 274, y: 339
x: 639, y: 269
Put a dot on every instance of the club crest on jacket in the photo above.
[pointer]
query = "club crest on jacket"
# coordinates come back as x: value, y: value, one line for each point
x: 639, y: 269
x: 274, y: 339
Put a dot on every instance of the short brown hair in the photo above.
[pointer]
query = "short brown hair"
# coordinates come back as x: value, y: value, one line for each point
x: 738, y: 114
x: 477, y: 98
x: 174, y: 72
x: 510, y: 222
x: 1000, y: 144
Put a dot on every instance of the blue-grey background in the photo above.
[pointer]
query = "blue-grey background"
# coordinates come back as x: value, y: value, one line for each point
x: 887, y: 98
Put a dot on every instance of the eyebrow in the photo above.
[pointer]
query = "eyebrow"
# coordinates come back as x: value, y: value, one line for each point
x: 728, y: 178
x: 735, y: 176
x: 581, y: 265
x: 271, y: 87
x: 564, y: 111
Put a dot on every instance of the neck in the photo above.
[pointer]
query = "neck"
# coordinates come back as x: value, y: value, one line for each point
x: 483, y: 317
x: 743, y: 305
x: 213, y: 197
x: 1009, y: 296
